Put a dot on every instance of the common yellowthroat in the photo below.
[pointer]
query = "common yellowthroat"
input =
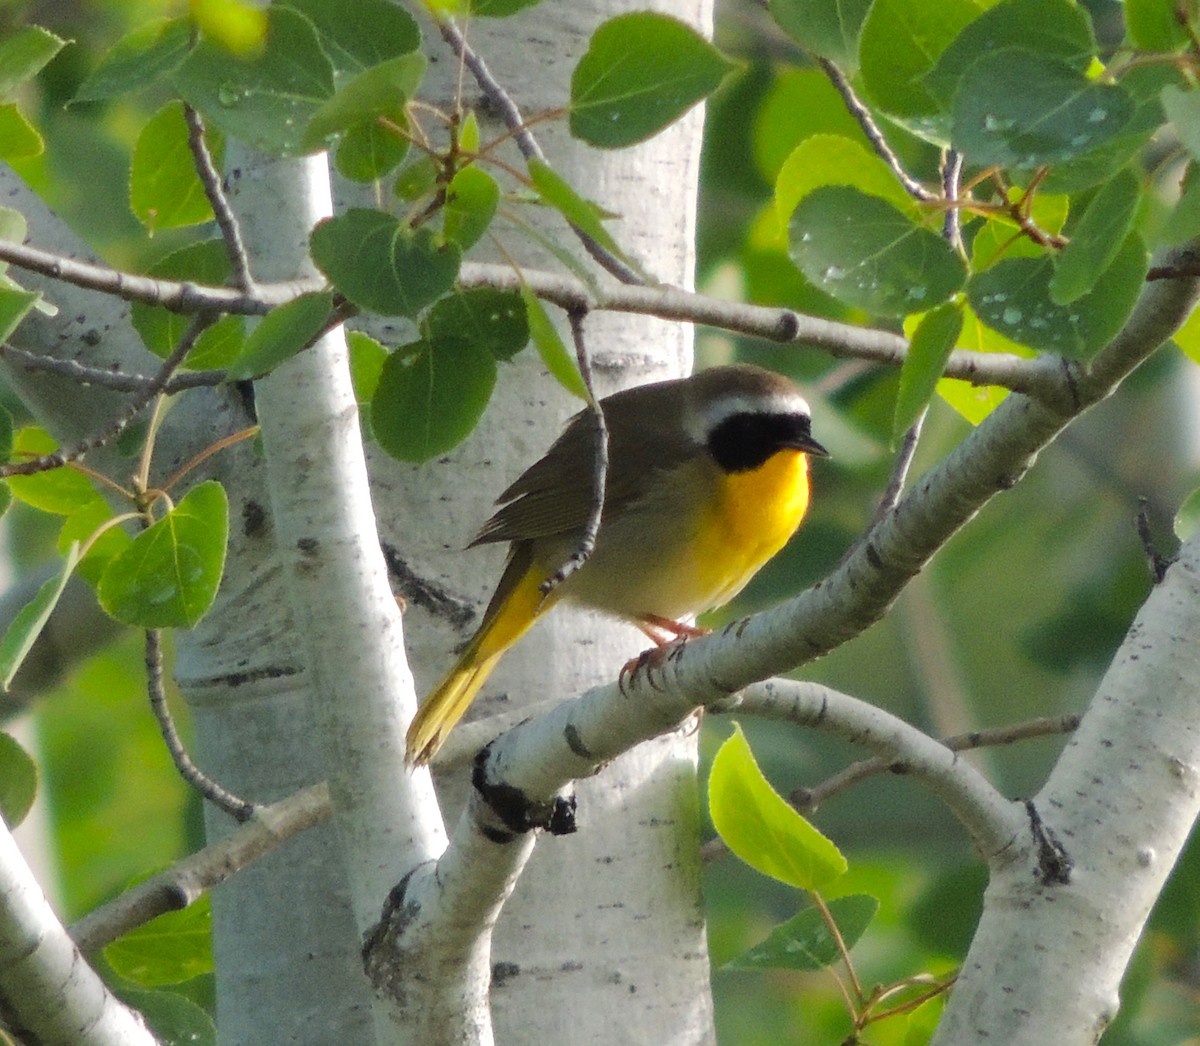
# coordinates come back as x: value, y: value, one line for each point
x: 707, y: 480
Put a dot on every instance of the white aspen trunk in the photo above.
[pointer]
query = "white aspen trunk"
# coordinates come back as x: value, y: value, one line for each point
x: 603, y: 939
x: 1048, y: 957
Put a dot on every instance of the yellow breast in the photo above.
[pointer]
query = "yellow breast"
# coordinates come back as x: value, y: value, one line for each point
x: 750, y: 520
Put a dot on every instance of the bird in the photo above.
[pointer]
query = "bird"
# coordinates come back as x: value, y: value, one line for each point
x: 707, y: 479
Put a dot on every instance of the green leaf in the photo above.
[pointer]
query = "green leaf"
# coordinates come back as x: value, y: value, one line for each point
x: 558, y: 359
x: 865, y: 252
x: 1153, y: 25
x: 283, y: 332
x: 60, y: 491
x: 429, y: 398
x: 641, y: 72
x: 1183, y: 110
x: 379, y: 91
x: 22, y: 633
x: 494, y: 320
x: 369, y: 151
x: 360, y: 35
x: 928, y: 350
x: 173, y: 1019
x: 1186, y: 521
x: 382, y: 265
x: 471, y: 201
x: 19, y: 139
x: 170, y: 949
x: 18, y: 781
x: 826, y: 27
x: 236, y: 26
x: 804, y: 941
x: 80, y: 528
x: 799, y: 103
x: 1095, y: 239
x: 554, y: 191
x: 1184, y: 220
x: 830, y: 159
x: 266, y: 101
x: 417, y: 179
x: 367, y: 358
x: 976, y: 402
x: 499, y: 8
x: 23, y: 54
x: 15, y: 305
x: 219, y: 345
x: 137, y: 61
x: 900, y: 43
x: 758, y: 825
x: 1018, y: 108
x: 169, y: 575
x: 1013, y: 297
x: 165, y: 191
x: 205, y: 262
x: 1057, y: 28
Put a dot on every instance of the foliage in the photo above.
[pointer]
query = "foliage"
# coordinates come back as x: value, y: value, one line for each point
x: 1037, y: 244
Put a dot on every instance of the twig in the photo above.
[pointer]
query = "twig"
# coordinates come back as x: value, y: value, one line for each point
x: 210, y: 179
x: 808, y: 800
x: 587, y: 543
x: 515, y: 122
x: 118, y: 381
x: 175, y: 295
x: 237, y: 808
x: 185, y: 882
x: 872, y: 130
x: 952, y: 168
x: 62, y: 456
x: 901, y: 467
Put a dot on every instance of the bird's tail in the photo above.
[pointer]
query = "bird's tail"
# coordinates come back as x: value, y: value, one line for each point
x: 445, y: 706
x: 518, y: 602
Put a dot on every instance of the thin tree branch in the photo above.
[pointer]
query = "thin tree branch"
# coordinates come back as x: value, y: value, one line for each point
x: 808, y: 800
x: 175, y: 295
x: 136, y: 405
x: 842, y: 340
x: 237, y: 808
x: 991, y: 819
x: 873, y: 132
x: 210, y: 179
x: 901, y: 467
x: 587, y: 543
x: 186, y: 881
x: 118, y: 381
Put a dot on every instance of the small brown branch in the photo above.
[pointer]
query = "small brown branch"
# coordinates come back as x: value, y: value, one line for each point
x: 210, y: 179
x: 185, y: 882
x: 873, y: 132
x: 137, y: 404
x: 587, y: 543
x: 236, y: 807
